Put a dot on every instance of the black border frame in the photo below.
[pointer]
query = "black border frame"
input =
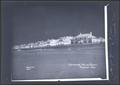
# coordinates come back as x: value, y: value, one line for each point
x: 113, y: 47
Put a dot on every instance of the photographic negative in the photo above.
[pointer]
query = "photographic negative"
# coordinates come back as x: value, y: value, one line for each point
x: 60, y: 42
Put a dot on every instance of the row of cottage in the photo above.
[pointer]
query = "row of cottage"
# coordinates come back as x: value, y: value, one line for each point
x: 87, y: 38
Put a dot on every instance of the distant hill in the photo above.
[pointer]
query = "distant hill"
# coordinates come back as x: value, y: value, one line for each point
x: 82, y: 39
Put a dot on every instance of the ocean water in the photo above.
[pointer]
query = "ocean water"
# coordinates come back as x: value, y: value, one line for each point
x: 59, y: 63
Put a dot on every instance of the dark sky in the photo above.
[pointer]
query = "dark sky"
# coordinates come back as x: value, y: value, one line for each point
x: 31, y: 22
